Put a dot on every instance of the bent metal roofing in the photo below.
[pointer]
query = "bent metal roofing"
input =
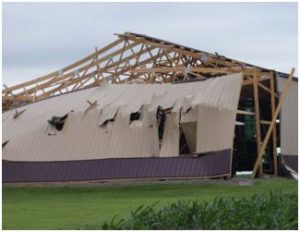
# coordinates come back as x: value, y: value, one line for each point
x: 86, y: 136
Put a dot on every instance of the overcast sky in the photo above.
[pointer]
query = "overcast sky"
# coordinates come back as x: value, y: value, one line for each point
x: 43, y: 37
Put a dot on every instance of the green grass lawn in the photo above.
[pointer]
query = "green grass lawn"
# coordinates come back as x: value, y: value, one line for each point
x: 76, y: 207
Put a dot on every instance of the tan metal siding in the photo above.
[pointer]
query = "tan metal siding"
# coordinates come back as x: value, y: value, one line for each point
x: 82, y: 138
x: 289, y: 119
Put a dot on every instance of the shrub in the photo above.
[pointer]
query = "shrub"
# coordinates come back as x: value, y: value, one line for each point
x: 260, y: 211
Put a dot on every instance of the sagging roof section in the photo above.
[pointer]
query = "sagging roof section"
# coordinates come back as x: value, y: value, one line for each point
x: 105, y: 131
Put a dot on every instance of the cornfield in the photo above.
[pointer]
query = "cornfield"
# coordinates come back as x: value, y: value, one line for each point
x: 260, y: 211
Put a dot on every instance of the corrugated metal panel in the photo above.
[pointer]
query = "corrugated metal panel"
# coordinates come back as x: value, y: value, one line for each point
x: 82, y: 138
x: 289, y: 119
x: 215, y: 129
x: 216, y: 112
x: 222, y: 93
x: 208, y: 165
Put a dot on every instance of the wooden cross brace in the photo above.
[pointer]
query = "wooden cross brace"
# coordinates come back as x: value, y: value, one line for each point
x: 273, y: 123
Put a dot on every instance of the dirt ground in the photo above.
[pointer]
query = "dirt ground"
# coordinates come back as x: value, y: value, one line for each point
x: 241, y: 181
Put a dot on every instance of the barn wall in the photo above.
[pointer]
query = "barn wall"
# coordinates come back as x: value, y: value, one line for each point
x: 86, y: 135
x: 289, y: 124
x: 215, y: 164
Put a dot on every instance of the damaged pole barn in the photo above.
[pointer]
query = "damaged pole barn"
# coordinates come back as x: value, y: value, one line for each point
x: 145, y: 108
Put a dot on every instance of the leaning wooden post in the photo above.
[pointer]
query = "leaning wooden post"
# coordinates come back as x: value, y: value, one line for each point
x: 257, y: 113
x: 274, y: 132
x: 273, y: 122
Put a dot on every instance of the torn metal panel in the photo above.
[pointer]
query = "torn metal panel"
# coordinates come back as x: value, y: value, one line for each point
x: 215, y: 129
x: 84, y: 135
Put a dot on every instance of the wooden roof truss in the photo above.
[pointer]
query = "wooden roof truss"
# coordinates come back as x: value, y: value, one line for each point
x: 130, y: 58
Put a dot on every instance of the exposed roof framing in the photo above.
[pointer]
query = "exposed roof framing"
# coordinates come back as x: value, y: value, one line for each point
x: 131, y: 57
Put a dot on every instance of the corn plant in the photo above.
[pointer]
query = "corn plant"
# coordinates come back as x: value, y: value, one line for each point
x: 260, y: 211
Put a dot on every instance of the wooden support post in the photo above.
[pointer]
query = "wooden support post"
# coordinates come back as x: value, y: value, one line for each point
x: 274, y: 133
x: 257, y: 114
x: 273, y: 123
